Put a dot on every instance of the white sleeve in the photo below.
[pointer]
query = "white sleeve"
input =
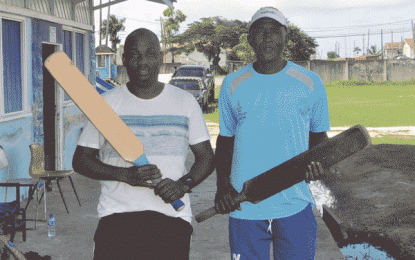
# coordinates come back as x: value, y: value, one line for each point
x: 91, y: 137
x: 198, y: 131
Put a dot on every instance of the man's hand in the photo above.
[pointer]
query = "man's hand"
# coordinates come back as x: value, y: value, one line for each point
x: 141, y: 176
x: 170, y: 190
x: 315, y: 172
x: 224, y: 200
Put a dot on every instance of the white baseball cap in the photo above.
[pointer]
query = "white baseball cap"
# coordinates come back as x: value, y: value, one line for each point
x: 269, y: 12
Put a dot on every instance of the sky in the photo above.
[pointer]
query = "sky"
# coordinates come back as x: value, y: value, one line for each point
x: 336, y: 25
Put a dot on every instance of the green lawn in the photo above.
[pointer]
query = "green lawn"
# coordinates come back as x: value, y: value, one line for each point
x: 372, y: 105
x: 352, y: 103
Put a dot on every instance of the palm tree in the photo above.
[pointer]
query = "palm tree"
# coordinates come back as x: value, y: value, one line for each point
x: 115, y: 26
x: 357, y: 50
x: 373, y: 50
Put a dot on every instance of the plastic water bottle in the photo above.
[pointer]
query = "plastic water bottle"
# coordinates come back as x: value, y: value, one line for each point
x: 51, y: 226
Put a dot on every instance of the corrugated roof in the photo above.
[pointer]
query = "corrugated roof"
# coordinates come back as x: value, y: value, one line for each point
x: 410, y: 42
x: 393, y: 45
x: 103, y: 49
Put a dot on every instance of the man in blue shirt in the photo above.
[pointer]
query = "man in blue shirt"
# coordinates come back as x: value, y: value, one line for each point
x: 270, y: 111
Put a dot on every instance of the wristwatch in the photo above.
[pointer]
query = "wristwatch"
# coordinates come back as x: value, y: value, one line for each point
x: 187, y: 180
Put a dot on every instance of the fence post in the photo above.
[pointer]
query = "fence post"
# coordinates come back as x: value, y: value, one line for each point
x: 385, y: 70
x: 346, y: 70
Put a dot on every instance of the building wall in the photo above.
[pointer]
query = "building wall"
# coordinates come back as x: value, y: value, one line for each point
x: 18, y: 132
x: 367, y: 70
x: 328, y: 70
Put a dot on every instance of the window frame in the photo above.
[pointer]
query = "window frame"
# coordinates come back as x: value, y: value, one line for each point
x: 24, y: 37
x: 105, y: 61
x: 85, y: 45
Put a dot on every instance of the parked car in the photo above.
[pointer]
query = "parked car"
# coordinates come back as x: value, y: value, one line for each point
x: 195, y: 86
x: 201, y: 72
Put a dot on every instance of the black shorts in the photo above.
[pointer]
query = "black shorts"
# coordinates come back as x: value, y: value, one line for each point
x: 142, y: 235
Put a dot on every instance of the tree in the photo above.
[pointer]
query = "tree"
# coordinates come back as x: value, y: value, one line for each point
x: 209, y: 36
x: 332, y: 55
x: 243, y: 50
x: 357, y: 50
x: 115, y: 26
x: 172, y: 25
x: 300, y: 46
x: 373, y: 51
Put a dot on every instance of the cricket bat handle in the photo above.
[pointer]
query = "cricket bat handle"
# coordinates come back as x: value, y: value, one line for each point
x: 142, y: 160
x: 204, y: 215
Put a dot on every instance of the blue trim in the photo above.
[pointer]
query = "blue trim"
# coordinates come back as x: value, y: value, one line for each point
x: 100, y: 91
x: 104, y: 83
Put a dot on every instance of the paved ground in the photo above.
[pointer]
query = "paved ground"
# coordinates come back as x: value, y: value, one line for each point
x: 75, y: 231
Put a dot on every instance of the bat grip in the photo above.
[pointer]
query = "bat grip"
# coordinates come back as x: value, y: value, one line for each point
x: 204, y: 215
x: 142, y: 160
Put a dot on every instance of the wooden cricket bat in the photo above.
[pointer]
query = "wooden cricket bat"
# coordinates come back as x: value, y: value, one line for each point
x: 98, y: 111
x: 293, y: 171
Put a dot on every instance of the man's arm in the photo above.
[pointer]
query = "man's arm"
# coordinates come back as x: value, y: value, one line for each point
x: 224, y: 200
x: 316, y: 138
x: 315, y: 170
x: 85, y: 162
x: 203, y: 166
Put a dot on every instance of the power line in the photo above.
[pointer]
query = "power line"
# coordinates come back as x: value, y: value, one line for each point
x: 354, y: 26
x: 359, y: 34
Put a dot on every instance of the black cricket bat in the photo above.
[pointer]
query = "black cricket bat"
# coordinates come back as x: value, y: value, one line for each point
x: 291, y: 172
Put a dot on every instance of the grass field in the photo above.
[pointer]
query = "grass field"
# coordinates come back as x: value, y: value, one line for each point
x: 380, y: 104
x: 371, y: 105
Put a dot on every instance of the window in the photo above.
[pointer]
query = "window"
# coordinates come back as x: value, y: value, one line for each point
x: 101, y: 61
x: 80, y: 52
x: 73, y: 46
x: 12, y: 98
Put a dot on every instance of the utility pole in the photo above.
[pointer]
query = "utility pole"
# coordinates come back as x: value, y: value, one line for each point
x: 345, y: 47
x: 381, y: 41
x: 368, y: 35
x: 100, y: 23
x: 413, y: 36
x: 363, y: 46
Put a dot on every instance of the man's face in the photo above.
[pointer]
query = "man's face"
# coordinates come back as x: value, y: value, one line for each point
x: 142, y: 61
x: 268, y: 39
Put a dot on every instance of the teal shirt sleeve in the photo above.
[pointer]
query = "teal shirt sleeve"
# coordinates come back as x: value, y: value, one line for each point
x: 228, y: 121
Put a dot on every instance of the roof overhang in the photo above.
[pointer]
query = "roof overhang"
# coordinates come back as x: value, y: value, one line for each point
x: 166, y: 2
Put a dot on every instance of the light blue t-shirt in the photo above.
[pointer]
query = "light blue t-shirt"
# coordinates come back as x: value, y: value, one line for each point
x: 270, y: 117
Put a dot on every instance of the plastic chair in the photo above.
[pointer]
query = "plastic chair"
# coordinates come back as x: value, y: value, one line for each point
x: 9, y: 209
x: 37, y: 171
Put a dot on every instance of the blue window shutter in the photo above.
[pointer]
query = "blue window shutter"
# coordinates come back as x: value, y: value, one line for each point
x: 67, y: 43
x: 67, y: 48
x: 80, y: 51
x: 12, y: 67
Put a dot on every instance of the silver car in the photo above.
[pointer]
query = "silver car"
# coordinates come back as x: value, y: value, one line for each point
x: 194, y: 86
x: 199, y: 71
